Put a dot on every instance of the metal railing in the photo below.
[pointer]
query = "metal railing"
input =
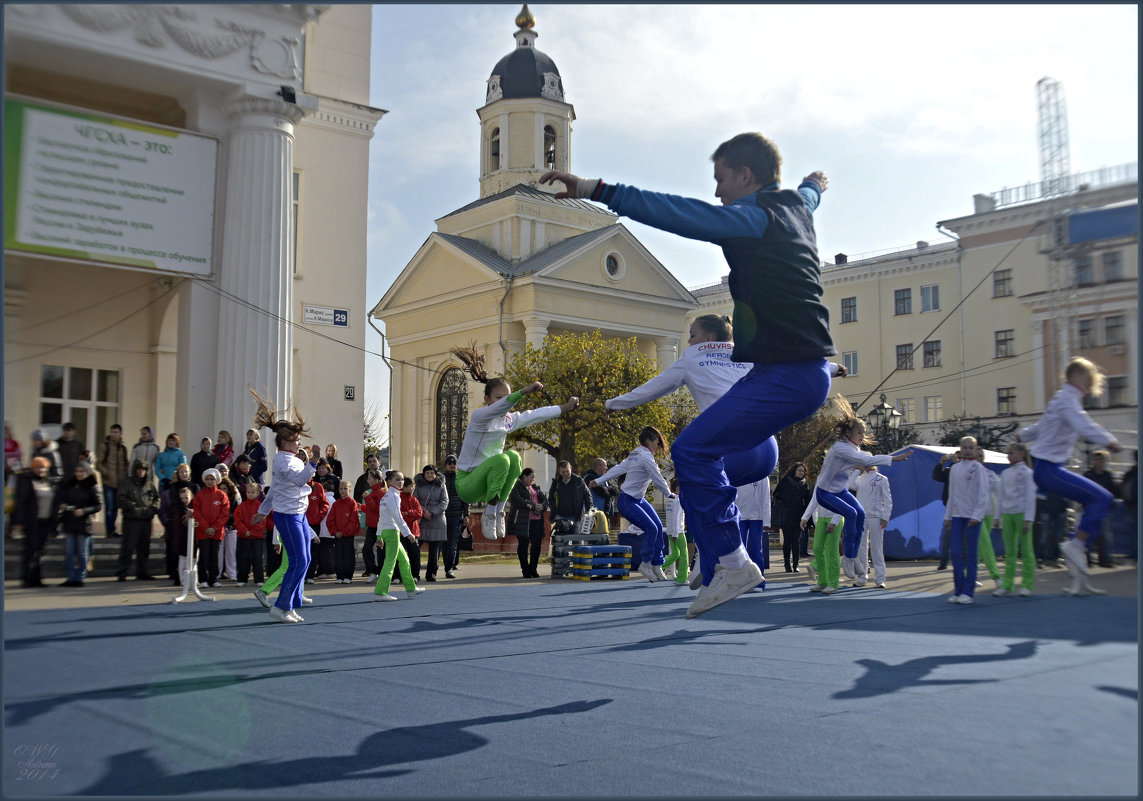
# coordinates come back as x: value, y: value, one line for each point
x: 1040, y: 190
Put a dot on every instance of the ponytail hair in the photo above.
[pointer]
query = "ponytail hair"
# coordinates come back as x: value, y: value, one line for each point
x: 717, y: 325
x: 650, y: 432
x: 284, y: 428
x: 473, y: 361
x: 847, y: 420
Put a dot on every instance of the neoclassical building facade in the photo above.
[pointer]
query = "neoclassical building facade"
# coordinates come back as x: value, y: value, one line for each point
x: 513, y: 266
x: 189, y: 216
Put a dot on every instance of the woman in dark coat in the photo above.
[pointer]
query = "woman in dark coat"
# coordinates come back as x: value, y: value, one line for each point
x: 35, y: 513
x: 77, y: 501
x: 526, y: 521
x: 793, y: 494
x: 429, y: 488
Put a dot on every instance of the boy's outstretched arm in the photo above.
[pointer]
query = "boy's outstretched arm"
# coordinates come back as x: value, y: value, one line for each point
x: 576, y: 187
x: 819, y: 178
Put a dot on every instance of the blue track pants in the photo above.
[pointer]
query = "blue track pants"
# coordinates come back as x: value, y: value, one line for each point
x: 643, y: 515
x: 843, y: 503
x: 1055, y: 479
x: 295, y: 534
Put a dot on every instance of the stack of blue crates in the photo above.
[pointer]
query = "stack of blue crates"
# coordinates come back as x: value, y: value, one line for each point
x: 601, y: 561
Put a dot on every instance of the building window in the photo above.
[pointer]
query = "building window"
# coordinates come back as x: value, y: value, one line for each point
x: 932, y: 351
x: 1085, y: 333
x: 849, y: 359
x: 494, y: 150
x: 849, y: 310
x: 295, y: 189
x: 908, y: 409
x: 614, y: 267
x: 85, y: 396
x: 934, y: 409
x: 905, y: 356
x: 930, y: 298
x: 903, y: 301
x: 452, y: 413
x: 1113, y: 330
x: 1112, y: 263
x: 1085, y: 271
x: 1005, y: 343
x: 1006, y: 400
x: 549, y: 147
x: 1117, y: 391
x: 1002, y: 284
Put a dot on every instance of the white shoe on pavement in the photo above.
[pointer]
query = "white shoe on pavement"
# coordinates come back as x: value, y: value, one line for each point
x: 384, y: 598
x: 659, y: 574
x: 647, y: 572
x: 964, y: 599
x: 816, y: 587
x: 954, y: 599
x: 830, y: 590
x: 262, y: 599
x: 1075, y: 554
x: 307, y: 600
x: 1024, y: 592
x: 280, y: 615
x: 813, y: 574
x: 847, y: 567
x: 726, y: 585
x: 1000, y: 592
x: 413, y: 593
x: 296, y: 617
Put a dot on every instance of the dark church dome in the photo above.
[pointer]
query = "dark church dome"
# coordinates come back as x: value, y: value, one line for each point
x: 525, y: 72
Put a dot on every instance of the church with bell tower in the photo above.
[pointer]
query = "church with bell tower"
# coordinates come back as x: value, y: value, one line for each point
x: 513, y: 266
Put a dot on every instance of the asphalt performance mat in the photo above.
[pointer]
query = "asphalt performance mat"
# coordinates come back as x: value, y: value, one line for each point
x: 577, y: 689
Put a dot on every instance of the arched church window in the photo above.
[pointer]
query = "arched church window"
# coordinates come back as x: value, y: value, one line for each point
x: 549, y: 147
x: 452, y: 413
x: 494, y: 150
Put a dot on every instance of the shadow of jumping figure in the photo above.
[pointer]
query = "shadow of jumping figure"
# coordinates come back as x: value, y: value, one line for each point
x: 882, y: 678
x: 138, y: 773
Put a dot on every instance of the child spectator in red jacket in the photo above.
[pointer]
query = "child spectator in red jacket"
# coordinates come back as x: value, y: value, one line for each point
x: 411, y: 511
x: 315, y: 513
x: 211, y: 509
x: 251, y: 536
x: 371, y: 504
x: 344, y: 524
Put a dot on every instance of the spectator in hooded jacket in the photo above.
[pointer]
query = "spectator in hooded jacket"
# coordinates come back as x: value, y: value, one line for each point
x: 334, y: 462
x: 455, y: 515
x: 211, y: 510
x: 77, y: 501
x: 139, y: 501
x: 46, y: 449
x: 70, y: 448
x: 146, y: 449
x: 526, y: 521
x: 203, y: 460
x: 168, y: 500
x: 257, y: 453
x: 429, y: 490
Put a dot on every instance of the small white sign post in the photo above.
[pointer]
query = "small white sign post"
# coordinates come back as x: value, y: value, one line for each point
x: 190, y: 575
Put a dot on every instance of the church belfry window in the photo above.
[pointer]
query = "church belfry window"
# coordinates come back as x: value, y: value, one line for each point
x: 494, y: 150
x: 549, y: 147
x: 452, y: 413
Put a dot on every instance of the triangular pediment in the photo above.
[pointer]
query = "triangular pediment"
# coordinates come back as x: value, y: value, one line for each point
x: 444, y: 265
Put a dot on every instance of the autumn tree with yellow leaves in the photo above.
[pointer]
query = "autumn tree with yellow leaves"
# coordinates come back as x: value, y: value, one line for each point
x: 593, y: 368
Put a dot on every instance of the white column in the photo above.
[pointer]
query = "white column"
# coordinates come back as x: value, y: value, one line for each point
x: 665, y: 350
x: 534, y: 331
x: 255, y: 345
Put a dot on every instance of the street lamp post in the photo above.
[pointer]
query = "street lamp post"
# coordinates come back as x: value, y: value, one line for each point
x: 885, y: 421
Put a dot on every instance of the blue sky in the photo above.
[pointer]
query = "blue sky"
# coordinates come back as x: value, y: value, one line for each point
x: 910, y: 109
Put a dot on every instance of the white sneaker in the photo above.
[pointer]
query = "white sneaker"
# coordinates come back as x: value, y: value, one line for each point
x: 1000, y: 592
x: 811, y: 573
x: 384, y: 598
x: 829, y: 590
x: 413, y: 593
x: 488, y: 523
x: 997, y: 582
x: 847, y: 567
x: 881, y: 585
x: 1087, y: 586
x: 307, y: 600
x: 671, y: 572
x: 296, y: 617
x: 954, y: 599
x: 859, y: 582
x: 964, y: 599
x: 1024, y: 592
x: 280, y: 615
x: 240, y: 584
x: 696, y: 579
x: 659, y: 574
x: 726, y: 585
x: 816, y: 587
x: 501, y: 526
x: 647, y: 572
x: 262, y: 599
x: 203, y: 584
x: 1075, y: 555
x: 216, y: 584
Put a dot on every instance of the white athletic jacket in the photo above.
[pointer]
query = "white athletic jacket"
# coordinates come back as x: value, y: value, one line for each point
x: 817, y: 511
x: 390, y: 514
x: 754, y: 501
x: 1018, y: 492
x: 490, y: 425
x: 675, y: 519
x: 872, y: 492
x: 1054, y: 435
x: 969, y: 493
x: 704, y: 368
x: 641, y: 470
x: 841, y: 458
x: 289, y: 492
x: 993, y: 494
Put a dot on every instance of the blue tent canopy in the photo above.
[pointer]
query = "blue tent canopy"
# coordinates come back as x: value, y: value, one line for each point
x: 914, y: 531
